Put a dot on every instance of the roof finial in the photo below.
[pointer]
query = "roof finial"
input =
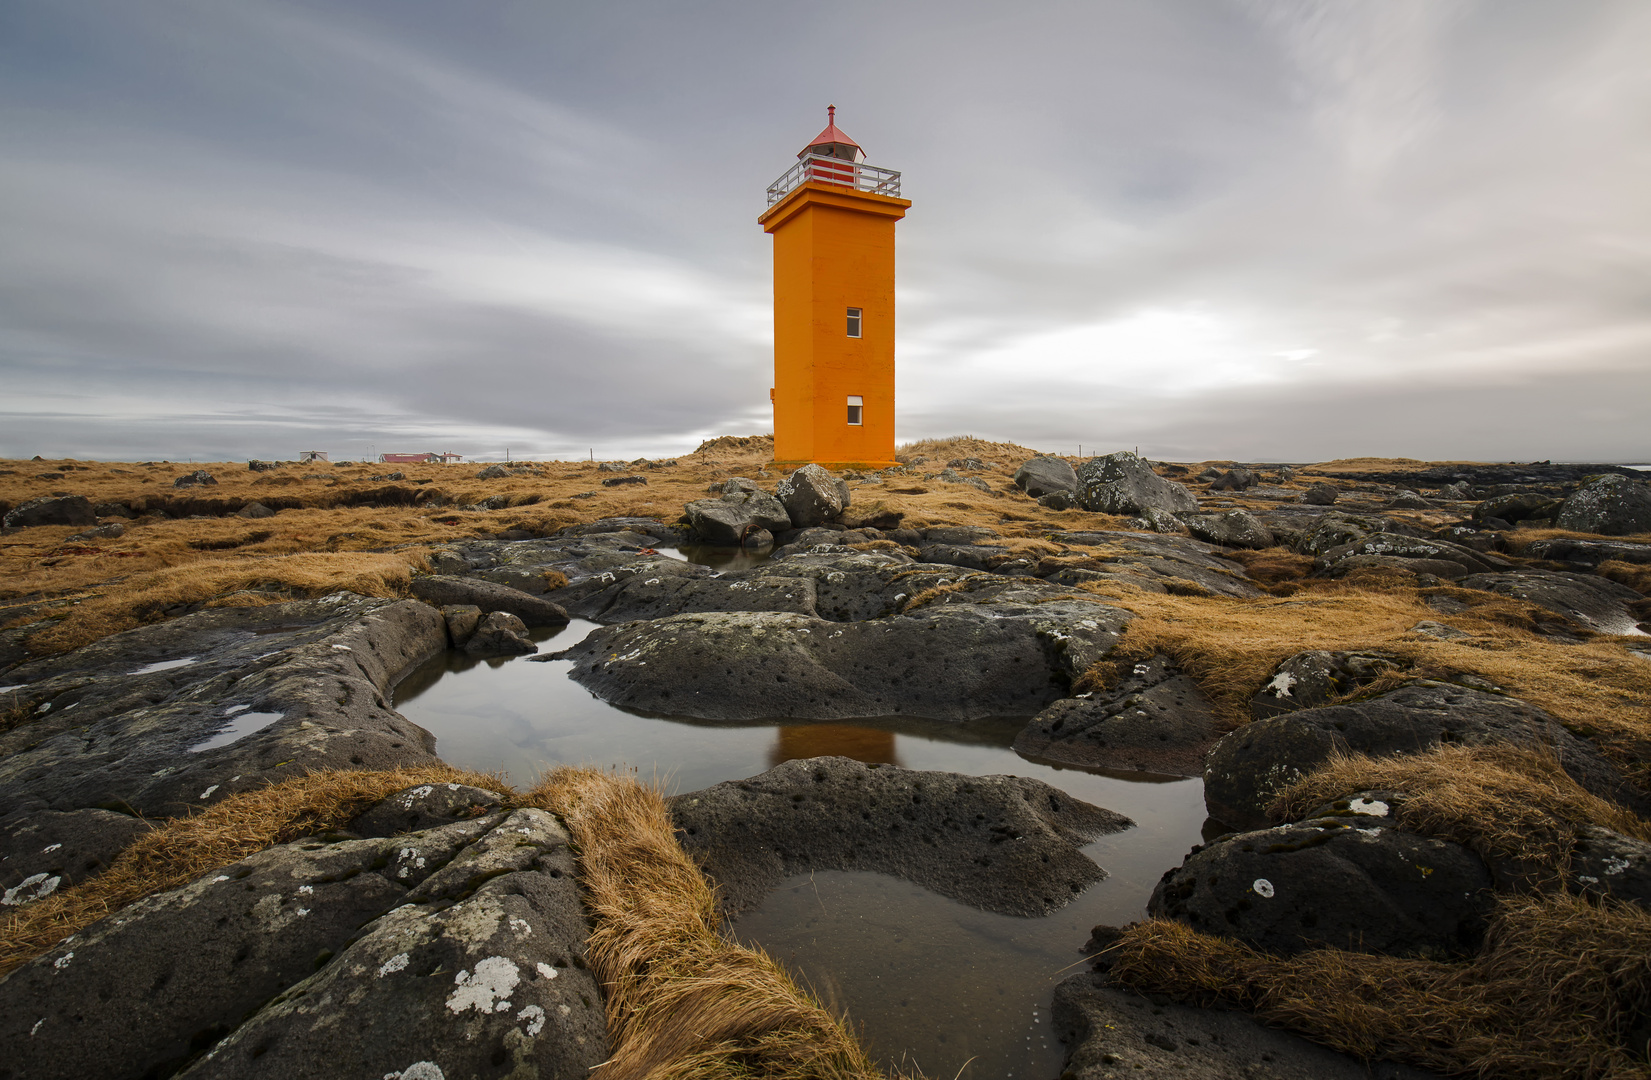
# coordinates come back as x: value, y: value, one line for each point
x: 831, y: 114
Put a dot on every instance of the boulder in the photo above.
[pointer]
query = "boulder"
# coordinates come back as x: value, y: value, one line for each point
x: 113, y: 509
x: 262, y: 466
x: 462, y: 620
x: 1611, y: 505
x: 1238, y: 479
x: 1122, y: 483
x: 977, y: 655
x: 724, y: 522
x: 499, y: 472
x: 51, y: 510
x: 1516, y: 507
x: 1310, y: 679
x: 623, y: 481
x: 1342, y: 882
x: 1416, y: 554
x: 443, y: 591
x: 1245, y: 769
x: 1003, y: 843
x: 1408, y: 500
x: 198, y: 478
x: 811, y: 496
x: 1606, y: 863
x: 499, y: 633
x: 1589, y: 553
x: 1044, y: 475
x: 254, y: 510
x: 1590, y: 602
x: 177, y: 715
x: 1160, y: 521
x: 1058, y: 500
x: 1112, y: 1032
x: 1230, y: 528
x: 1320, y: 495
x: 114, y: 530
x: 425, y: 806
x: 1155, y: 720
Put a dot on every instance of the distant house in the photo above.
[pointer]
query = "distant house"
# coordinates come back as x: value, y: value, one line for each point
x: 418, y: 459
x: 311, y: 455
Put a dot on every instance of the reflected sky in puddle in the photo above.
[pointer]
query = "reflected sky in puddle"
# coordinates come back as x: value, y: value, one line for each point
x: 922, y: 976
x: 162, y: 665
x: 241, y: 724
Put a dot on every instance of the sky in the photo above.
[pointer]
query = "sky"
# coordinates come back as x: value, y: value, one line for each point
x: 1262, y: 230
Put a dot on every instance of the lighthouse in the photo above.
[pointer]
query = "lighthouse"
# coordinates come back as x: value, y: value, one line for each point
x: 832, y: 217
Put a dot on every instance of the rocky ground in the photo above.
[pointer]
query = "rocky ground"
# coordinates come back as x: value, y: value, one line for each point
x: 1250, y: 625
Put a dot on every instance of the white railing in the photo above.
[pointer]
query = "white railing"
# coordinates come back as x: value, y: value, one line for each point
x: 830, y: 170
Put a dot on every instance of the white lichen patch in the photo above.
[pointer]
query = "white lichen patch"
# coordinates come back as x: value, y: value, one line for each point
x: 520, y: 927
x: 535, y: 1018
x: 32, y: 888
x: 49, y: 848
x: 207, y: 794
x: 1614, y: 865
x: 63, y: 961
x: 418, y: 1070
x: 1281, y: 684
x: 487, y: 989
x: 396, y: 963
x: 1372, y: 807
x: 36, y: 1027
x: 306, y: 890
x: 1263, y: 887
x: 545, y: 970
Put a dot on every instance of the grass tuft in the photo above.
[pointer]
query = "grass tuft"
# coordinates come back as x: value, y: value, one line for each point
x: 1560, y: 991
x: 683, y: 1003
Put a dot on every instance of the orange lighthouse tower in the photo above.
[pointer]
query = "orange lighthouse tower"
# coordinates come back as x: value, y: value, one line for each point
x: 832, y: 218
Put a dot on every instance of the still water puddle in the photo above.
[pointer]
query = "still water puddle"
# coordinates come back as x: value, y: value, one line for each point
x: 162, y: 665
x: 928, y: 981
x: 241, y: 724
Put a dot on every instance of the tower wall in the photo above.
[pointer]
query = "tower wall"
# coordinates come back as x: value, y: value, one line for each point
x: 833, y: 250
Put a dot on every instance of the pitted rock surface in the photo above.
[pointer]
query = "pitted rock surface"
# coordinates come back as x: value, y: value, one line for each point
x: 1613, y: 505
x: 1385, y: 549
x: 42, y: 851
x: 1114, y: 1033
x: 1230, y: 528
x: 186, y: 966
x: 1155, y: 720
x: 811, y: 495
x: 1002, y: 843
x: 1606, y: 863
x: 1005, y: 654
x: 111, y: 730
x: 1593, y: 603
x: 481, y: 973
x: 1245, y: 769
x: 1044, y: 475
x: 425, y: 806
x: 1348, y: 882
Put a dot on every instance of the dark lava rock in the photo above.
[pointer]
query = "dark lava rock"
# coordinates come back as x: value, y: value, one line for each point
x: 1114, y: 1033
x: 499, y: 472
x: 442, y: 590
x: 151, y: 719
x: 462, y: 620
x: 1345, y: 882
x: 47, y: 510
x: 112, y: 531
x: 113, y: 509
x: 198, y: 478
x: 622, y: 481
x: 1310, y: 679
x: 1003, y: 843
x: 1229, y: 528
x: 1155, y: 720
x: 1058, y: 500
x: 1409, y: 500
x: 1237, y: 479
x: 1516, y: 507
x: 1045, y: 475
x: 998, y: 655
x: 44, y: 850
x: 1122, y: 483
x: 723, y: 521
x: 811, y: 495
x: 1246, y: 768
x: 1320, y: 495
x: 254, y: 510
x: 1589, y: 553
x: 1606, y: 863
x: 1612, y: 505
x: 1415, y: 554
x: 1593, y: 603
x: 426, y: 806
x: 499, y: 633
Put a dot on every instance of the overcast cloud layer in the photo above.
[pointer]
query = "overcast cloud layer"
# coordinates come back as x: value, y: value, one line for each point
x: 1256, y: 229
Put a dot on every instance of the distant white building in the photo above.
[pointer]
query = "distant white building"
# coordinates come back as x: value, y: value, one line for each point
x: 311, y: 455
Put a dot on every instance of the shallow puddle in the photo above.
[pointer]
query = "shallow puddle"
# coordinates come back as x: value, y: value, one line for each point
x: 929, y: 982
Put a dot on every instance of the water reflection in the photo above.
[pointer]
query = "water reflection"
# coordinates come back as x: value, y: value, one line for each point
x: 820, y: 740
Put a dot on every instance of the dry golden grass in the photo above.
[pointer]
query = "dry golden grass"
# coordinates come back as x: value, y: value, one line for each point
x: 1507, y: 803
x: 683, y: 1003
x: 183, y: 849
x: 1231, y: 647
x: 940, y: 451
x: 1636, y: 576
x: 1560, y: 991
x: 1519, y: 540
x: 1379, y: 464
x: 145, y: 597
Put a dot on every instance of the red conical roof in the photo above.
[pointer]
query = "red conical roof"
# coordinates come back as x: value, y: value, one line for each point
x: 832, y: 135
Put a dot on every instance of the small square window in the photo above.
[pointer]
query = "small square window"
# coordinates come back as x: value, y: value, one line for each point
x: 856, y: 408
x: 853, y: 322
